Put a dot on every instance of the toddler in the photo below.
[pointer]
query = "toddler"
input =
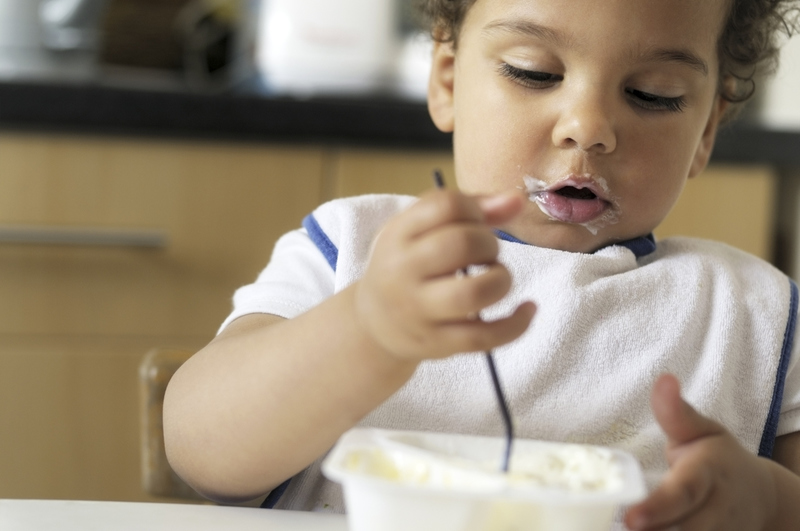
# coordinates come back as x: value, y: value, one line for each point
x: 575, y: 127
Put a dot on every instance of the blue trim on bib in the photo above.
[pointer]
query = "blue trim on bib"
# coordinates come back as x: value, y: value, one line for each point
x: 641, y: 246
x: 507, y: 237
x: 321, y: 240
x: 272, y: 498
x: 771, y: 426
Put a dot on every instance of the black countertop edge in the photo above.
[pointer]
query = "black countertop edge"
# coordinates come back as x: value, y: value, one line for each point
x: 371, y: 121
x: 750, y: 144
x: 375, y: 121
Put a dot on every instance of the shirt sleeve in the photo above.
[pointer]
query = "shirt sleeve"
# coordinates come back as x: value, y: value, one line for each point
x: 789, y: 420
x: 297, y: 278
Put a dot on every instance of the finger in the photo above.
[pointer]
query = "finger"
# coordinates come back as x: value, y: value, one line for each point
x: 475, y: 336
x: 499, y: 209
x: 452, y: 248
x: 436, y: 208
x: 453, y: 298
x: 685, y: 489
x: 706, y: 521
x: 680, y: 422
x: 702, y: 520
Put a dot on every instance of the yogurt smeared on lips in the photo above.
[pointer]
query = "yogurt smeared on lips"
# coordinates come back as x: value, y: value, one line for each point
x: 578, y: 200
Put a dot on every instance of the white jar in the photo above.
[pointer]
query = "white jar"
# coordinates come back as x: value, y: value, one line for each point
x: 779, y: 103
x: 310, y: 47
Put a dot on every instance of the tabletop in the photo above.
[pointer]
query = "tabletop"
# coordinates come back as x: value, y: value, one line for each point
x: 67, y: 515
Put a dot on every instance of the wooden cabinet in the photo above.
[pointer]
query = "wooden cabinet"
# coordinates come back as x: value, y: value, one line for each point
x: 70, y: 415
x: 355, y: 172
x: 219, y: 208
x: 76, y: 320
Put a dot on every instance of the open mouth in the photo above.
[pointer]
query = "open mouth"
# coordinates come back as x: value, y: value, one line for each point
x: 579, y: 199
x: 572, y: 202
x: 571, y: 192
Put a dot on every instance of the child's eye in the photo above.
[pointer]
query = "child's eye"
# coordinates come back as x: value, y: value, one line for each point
x: 656, y: 103
x: 529, y: 78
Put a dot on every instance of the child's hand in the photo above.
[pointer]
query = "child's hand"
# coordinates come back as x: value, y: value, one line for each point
x: 713, y: 483
x: 413, y: 303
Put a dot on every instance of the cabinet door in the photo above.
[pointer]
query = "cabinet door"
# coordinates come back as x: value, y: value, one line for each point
x: 70, y: 414
x: 219, y: 209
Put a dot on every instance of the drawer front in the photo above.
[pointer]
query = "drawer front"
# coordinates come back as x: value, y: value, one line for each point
x: 71, y: 417
x: 117, y: 236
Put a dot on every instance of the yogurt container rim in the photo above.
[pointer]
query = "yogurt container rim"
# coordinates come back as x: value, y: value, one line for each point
x: 633, y: 487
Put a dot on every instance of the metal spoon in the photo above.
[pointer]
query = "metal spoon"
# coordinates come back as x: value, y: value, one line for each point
x: 498, y: 390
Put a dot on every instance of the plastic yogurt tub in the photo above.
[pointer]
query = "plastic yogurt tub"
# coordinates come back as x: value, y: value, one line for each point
x: 420, y: 481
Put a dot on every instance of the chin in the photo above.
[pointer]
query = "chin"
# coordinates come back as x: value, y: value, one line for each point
x: 568, y: 238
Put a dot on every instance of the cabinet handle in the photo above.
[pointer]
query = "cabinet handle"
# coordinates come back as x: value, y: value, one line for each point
x: 79, y: 236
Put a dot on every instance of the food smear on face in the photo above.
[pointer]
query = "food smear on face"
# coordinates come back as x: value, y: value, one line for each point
x: 565, y: 468
x: 580, y: 201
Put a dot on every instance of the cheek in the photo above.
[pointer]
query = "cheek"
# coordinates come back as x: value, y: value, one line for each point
x: 653, y: 195
x: 666, y: 154
x: 657, y: 178
x: 488, y: 150
x: 497, y: 143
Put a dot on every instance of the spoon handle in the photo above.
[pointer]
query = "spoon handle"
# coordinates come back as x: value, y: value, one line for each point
x: 498, y: 390
x: 504, y: 411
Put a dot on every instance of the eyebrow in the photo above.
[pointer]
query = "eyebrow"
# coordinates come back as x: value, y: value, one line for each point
x: 677, y: 56
x: 526, y: 27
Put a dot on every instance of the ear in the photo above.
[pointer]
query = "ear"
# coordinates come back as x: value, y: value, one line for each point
x: 706, y: 145
x: 440, y: 87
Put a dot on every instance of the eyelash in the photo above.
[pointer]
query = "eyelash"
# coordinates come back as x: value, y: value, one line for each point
x: 541, y: 80
x: 657, y: 103
x: 529, y: 78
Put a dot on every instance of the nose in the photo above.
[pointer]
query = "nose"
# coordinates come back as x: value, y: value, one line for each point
x: 585, y: 122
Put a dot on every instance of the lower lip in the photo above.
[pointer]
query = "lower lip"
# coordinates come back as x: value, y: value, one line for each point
x: 570, y: 210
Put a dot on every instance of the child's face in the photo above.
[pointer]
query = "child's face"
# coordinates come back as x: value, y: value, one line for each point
x: 600, y: 109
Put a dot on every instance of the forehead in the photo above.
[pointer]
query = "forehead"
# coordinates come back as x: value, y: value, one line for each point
x: 632, y: 25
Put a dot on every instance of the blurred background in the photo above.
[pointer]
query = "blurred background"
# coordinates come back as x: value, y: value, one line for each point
x: 279, y: 46
x: 152, y: 151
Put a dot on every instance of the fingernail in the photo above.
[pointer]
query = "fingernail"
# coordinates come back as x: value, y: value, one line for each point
x: 495, y: 201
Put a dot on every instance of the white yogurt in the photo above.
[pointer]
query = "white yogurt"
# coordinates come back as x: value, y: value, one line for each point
x: 573, y: 468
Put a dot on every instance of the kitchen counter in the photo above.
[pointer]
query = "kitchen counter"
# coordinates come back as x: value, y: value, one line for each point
x: 67, y: 515
x: 373, y: 121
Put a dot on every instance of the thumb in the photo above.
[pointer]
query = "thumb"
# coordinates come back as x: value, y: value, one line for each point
x: 680, y: 422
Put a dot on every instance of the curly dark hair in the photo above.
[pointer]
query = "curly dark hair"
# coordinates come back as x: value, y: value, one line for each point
x: 748, y: 47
